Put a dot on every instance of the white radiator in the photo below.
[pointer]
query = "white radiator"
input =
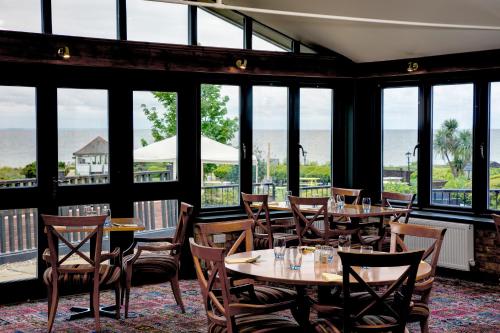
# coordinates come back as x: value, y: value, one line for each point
x: 457, y: 251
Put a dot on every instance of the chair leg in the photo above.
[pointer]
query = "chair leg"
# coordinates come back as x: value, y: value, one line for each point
x: 174, y: 282
x: 424, y: 325
x: 95, y: 306
x: 117, y: 298
x: 53, y: 301
x: 128, y: 283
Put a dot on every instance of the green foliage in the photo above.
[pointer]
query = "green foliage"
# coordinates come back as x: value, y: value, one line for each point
x: 9, y: 173
x: 400, y: 187
x: 227, y: 172
x: 454, y: 146
x: 29, y: 171
x: 214, y: 123
x: 316, y: 171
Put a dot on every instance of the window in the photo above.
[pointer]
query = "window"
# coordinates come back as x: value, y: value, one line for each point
x: 452, y: 117
x: 83, y: 152
x: 87, y: 18
x: 494, y: 156
x: 316, y: 141
x: 400, y: 125
x: 220, y: 146
x: 157, y: 22
x: 270, y: 117
x: 21, y: 15
x: 17, y: 137
x: 157, y: 215
x: 18, y: 244
x: 155, y: 136
x: 217, y: 30
x: 266, y: 39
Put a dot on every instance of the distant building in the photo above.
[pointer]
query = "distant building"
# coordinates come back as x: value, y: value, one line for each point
x: 93, y: 158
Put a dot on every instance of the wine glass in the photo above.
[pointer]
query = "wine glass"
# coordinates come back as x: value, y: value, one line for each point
x: 367, y: 203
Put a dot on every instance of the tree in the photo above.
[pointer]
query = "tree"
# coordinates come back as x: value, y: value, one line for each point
x: 454, y: 146
x: 29, y: 171
x: 214, y: 121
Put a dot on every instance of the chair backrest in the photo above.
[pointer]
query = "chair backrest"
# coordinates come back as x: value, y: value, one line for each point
x: 496, y: 218
x: 400, y: 290
x: 242, y: 228
x: 213, y: 282
x: 388, y: 198
x: 351, y: 193
x: 185, y: 212
x: 92, y: 225
x: 437, y: 234
x: 305, y: 227
x: 260, y: 216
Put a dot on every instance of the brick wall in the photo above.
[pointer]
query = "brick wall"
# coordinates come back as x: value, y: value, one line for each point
x: 487, y: 251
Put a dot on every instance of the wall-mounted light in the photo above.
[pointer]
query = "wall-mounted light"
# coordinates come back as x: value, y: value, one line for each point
x: 412, y: 67
x: 241, y: 64
x: 63, y: 53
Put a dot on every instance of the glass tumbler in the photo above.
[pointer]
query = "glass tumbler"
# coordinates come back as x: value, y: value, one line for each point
x: 293, y: 256
x: 279, y: 246
x: 367, y: 203
x: 345, y: 243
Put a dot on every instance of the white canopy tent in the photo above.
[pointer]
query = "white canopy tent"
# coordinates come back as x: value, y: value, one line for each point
x: 211, y: 152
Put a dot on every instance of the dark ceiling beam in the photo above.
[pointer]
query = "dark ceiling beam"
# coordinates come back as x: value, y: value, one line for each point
x: 30, y: 48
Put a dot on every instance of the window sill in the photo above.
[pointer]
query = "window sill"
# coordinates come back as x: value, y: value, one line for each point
x: 454, y: 217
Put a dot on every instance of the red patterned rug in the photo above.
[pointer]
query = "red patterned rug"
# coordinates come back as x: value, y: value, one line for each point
x: 457, y: 306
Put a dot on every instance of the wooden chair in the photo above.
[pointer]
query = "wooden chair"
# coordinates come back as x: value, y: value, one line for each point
x: 352, y: 196
x: 238, y: 237
x: 225, y: 310
x: 157, y: 263
x: 384, y: 310
x: 420, y: 310
x: 92, y: 273
x: 388, y: 199
x: 307, y: 228
x: 266, y: 229
x: 496, y: 219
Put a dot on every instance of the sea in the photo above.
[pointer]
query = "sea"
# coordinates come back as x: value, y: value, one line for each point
x: 18, y: 146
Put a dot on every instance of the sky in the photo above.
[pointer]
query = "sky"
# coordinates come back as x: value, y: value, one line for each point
x: 161, y: 22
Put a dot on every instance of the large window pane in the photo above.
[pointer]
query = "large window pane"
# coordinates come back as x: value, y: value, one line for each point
x: 157, y: 22
x: 157, y: 216
x: 270, y: 108
x: 20, y: 15
x: 494, y: 147
x: 220, y: 146
x: 18, y: 244
x: 316, y: 141
x: 83, y: 152
x: 266, y: 39
x: 17, y: 136
x: 87, y: 18
x: 452, y: 115
x: 400, y: 123
x: 218, y: 31
x: 155, y: 136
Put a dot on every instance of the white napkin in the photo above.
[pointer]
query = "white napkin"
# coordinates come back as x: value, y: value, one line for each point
x: 331, y: 277
x: 241, y: 260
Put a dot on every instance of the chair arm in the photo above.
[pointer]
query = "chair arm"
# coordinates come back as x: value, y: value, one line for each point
x: 111, y: 255
x: 153, y: 240
x: 166, y: 247
x: 424, y: 286
x: 46, y: 256
x: 238, y: 308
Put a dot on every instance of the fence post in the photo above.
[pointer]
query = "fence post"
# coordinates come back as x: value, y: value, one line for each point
x: 19, y: 220
x: 152, y: 215
x: 3, y: 239
x: 10, y: 218
x: 27, y: 219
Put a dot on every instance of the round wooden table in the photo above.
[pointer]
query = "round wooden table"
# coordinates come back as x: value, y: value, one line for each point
x: 269, y: 269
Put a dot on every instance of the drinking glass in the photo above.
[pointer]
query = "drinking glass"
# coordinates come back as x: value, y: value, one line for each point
x: 293, y: 256
x: 340, y: 201
x: 367, y: 203
x: 345, y: 243
x: 366, y: 249
x: 327, y: 254
x: 317, y: 253
x: 287, y: 200
x: 279, y: 247
x: 107, y: 223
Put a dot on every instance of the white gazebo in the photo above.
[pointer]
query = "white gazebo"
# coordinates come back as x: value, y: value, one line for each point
x: 211, y: 152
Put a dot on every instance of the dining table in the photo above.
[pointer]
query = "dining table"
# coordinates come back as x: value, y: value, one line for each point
x: 266, y: 268
x: 121, y: 234
x: 352, y: 213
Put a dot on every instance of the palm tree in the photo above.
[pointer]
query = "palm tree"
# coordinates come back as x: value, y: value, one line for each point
x: 454, y: 146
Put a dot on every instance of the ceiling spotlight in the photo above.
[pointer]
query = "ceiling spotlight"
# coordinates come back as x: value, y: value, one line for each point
x: 63, y: 52
x: 241, y: 64
x: 412, y: 67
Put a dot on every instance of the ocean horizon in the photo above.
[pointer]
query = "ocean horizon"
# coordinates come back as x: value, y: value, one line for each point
x: 17, y: 146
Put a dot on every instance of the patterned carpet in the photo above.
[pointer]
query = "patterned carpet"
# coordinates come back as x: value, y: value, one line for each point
x: 457, y: 306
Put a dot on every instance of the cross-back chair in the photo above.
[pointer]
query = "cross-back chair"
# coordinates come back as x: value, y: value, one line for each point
x: 92, y: 273
x: 420, y: 311
x: 239, y: 238
x: 383, y: 310
x: 265, y: 229
x: 349, y: 193
x: 226, y: 312
x: 157, y: 263
x: 314, y: 228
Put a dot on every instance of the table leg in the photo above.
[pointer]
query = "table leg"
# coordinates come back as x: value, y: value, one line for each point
x: 84, y: 312
x: 381, y: 233
x: 301, y: 313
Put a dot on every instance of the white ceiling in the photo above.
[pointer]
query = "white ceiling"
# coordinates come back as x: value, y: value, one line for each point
x: 365, y: 42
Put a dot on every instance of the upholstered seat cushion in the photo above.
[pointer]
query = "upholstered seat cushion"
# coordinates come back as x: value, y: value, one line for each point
x: 419, y: 311
x: 259, y: 324
x: 324, y: 326
x: 107, y: 274
x: 327, y: 326
x: 152, y: 265
x: 269, y: 294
